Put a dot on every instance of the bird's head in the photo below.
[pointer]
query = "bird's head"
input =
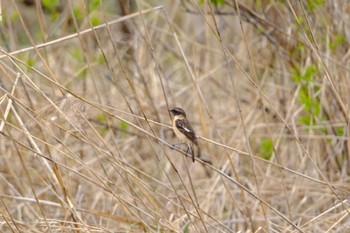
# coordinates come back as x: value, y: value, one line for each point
x: 177, y: 112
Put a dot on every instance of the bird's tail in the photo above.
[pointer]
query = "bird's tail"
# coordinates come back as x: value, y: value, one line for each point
x: 196, y: 151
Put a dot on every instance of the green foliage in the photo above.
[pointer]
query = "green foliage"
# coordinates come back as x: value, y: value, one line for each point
x: 187, y: 228
x: 78, y: 55
x: 302, y: 26
x: 101, y: 118
x: 312, y: 4
x: 30, y: 62
x: 301, y: 48
x: 78, y: 14
x: 304, y: 77
x: 50, y: 5
x: 341, y: 158
x: 261, y: 29
x: 338, y: 41
x: 100, y: 59
x: 54, y: 16
x: 214, y: 2
x: 312, y: 105
x: 93, y: 5
x: 300, y: 20
x: 69, y: 85
x: 340, y: 131
x: 6, y: 16
x: 95, y: 21
x: 258, y: 4
x: 266, y: 148
x: 82, y: 73
x: 217, y: 2
x: 123, y: 126
x: 14, y: 17
x: 297, y: 53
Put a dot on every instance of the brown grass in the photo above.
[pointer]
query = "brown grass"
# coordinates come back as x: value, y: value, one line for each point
x: 86, y: 143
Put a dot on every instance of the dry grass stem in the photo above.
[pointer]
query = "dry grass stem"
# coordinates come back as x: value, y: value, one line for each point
x: 86, y: 142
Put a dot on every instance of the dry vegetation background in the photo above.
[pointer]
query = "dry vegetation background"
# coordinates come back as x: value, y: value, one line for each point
x: 86, y: 143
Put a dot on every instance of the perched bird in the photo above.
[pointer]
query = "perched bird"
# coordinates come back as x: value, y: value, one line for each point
x: 183, y: 130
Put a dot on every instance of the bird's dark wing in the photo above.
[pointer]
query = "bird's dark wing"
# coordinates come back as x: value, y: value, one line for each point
x: 184, y: 126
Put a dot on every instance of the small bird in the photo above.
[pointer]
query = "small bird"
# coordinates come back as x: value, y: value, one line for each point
x: 183, y: 130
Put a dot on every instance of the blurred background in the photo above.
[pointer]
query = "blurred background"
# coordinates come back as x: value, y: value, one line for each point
x: 86, y: 143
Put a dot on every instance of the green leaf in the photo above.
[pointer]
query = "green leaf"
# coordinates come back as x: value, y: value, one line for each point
x: 101, y: 59
x: 14, y: 17
x: 340, y: 131
x: 338, y: 41
x: 306, y: 120
x: 312, y: 4
x: 217, y: 2
x: 316, y: 107
x: 101, y: 118
x: 266, y: 148
x: 296, y: 75
x: 95, y: 21
x: 30, y: 62
x: 214, y: 2
x: 309, y: 73
x: 82, y: 73
x: 123, y: 126
x: 187, y: 228
x: 93, y: 5
x: 78, y: 14
x: 78, y: 55
x: 305, y: 99
x: 50, y: 5
x: 300, y: 20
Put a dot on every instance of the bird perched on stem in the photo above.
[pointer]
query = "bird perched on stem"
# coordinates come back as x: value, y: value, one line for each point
x: 183, y: 130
